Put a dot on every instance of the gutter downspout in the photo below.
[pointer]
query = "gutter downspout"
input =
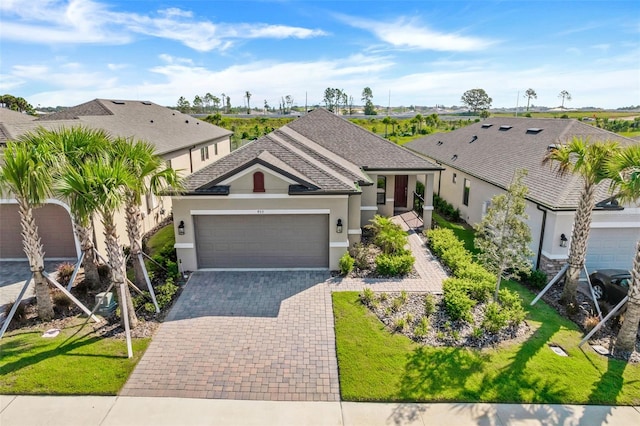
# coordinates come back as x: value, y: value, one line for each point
x: 544, y: 224
x: 439, y: 181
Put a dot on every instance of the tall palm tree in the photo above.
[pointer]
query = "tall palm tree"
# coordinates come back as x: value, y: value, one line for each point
x: 586, y: 159
x: 624, y: 171
x: 77, y: 145
x: 99, y: 185
x: 27, y: 175
x: 152, y: 176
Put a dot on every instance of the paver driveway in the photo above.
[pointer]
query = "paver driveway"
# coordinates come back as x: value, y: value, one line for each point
x: 264, y: 335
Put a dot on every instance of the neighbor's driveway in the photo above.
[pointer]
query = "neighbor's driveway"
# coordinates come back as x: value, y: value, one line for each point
x: 264, y: 335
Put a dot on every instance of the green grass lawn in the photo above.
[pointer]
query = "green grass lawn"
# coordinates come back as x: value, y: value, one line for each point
x: 376, y: 365
x: 165, y: 236
x: 76, y: 362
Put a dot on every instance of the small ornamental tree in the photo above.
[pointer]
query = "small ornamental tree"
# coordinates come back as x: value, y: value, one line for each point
x: 503, y: 236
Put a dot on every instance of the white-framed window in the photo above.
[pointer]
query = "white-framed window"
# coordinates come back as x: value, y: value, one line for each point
x: 455, y: 178
x: 204, y: 153
x: 215, y: 149
x: 381, y: 196
x: 466, y: 191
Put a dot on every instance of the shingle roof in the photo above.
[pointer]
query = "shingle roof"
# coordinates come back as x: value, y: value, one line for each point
x: 319, y: 150
x: 166, y: 129
x: 290, y: 162
x: 522, y: 143
x: 355, y: 144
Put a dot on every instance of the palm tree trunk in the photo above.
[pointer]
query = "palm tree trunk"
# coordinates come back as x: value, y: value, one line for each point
x: 133, y: 219
x: 91, y: 275
x: 628, y: 333
x: 118, y: 268
x: 33, y: 249
x: 579, y: 240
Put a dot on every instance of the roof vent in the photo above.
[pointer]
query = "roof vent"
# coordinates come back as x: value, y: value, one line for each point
x: 439, y: 143
x: 505, y: 128
x: 186, y: 121
x: 173, y: 113
x: 534, y: 130
x: 486, y: 125
x: 151, y: 121
x: 197, y: 123
x: 473, y: 139
x: 146, y: 103
x: 552, y: 147
x: 455, y: 157
x: 118, y: 102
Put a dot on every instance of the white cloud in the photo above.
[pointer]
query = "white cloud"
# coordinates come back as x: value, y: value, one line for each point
x: 87, y: 21
x: 407, y: 33
x: 117, y: 67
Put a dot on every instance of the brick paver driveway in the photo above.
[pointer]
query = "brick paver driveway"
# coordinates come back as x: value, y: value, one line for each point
x: 264, y: 335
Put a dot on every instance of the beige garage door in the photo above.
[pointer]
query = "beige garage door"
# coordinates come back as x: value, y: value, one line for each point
x: 54, y: 226
x: 611, y: 248
x: 262, y: 241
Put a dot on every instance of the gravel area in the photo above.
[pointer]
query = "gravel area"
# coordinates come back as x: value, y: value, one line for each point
x: 437, y: 329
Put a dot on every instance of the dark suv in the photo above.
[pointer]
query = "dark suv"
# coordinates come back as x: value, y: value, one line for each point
x: 610, y: 285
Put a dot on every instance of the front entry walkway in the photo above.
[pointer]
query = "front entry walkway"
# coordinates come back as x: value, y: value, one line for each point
x: 244, y: 335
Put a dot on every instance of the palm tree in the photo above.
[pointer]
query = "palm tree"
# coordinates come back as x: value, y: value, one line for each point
x: 77, y: 145
x: 624, y: 171
x: 530, y: 94
x: 386, y: 121
x: 152, y: 176
x: 586, y: 159
x: 99, y: 185
x: 564, y: 95
x: 27, y: 175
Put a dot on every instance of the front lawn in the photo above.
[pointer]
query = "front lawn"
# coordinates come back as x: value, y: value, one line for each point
x: 76, y: 362
x: 376, y: 365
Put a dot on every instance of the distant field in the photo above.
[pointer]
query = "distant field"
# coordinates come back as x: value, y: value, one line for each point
x: 573, y: 114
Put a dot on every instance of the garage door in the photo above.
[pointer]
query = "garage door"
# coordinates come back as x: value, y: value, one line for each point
x: 54, y: 227
x: 611, y: 248
x: 262, y: 241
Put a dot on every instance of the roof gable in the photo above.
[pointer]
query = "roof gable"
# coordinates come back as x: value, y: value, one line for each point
x: 493, y: 149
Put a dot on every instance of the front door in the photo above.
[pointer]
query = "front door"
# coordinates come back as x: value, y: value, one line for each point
x: 400, y: 192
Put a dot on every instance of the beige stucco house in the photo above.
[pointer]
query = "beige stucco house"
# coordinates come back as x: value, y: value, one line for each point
x: 480, y: 160
x: 188, y: 144
x: 295, y: 198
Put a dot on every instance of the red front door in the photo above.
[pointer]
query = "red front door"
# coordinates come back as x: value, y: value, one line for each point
x: 400, y: 192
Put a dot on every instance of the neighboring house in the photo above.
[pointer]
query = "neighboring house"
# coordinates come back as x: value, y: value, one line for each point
x: 188, y: 144
x: 480, y: 161
x: 295, y: 198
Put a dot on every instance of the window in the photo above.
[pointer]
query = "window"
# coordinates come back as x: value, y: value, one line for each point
x: 204, y: 153
x: 168, y: 163
x: 455, y: 178
x: 215, y: 149
x: 381, y: 196
x: 258, y: 182
x: 152, y: 202
x: 465, y: 194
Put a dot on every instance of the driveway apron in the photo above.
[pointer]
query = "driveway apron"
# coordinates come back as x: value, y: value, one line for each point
x: 265, y: 335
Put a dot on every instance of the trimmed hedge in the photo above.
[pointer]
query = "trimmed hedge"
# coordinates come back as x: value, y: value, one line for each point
x: 394, y: 264
x: 471, y: 284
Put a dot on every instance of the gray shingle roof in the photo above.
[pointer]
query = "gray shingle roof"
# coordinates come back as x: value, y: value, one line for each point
x: 355, y: 144
x: 319, y: 150
x: 496, y: 154
x: 166, y: 129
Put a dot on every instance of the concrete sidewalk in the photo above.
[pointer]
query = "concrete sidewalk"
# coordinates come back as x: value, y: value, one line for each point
x: 117, y: 411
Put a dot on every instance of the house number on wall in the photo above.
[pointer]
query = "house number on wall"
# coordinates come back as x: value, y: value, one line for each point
x: 260, y: 211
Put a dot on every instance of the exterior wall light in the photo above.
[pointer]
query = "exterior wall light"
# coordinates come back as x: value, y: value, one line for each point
x: 339, y: 226
x: 181, y: 228
x: 563, y: 240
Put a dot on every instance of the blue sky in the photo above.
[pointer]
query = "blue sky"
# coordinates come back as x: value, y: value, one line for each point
x: 64, y: 52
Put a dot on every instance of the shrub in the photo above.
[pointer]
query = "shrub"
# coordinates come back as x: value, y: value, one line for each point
x: 399, y: 324
x: 61, y: 301
x: 495, y: 318
x: 429, y: 304
x: 391, y: 240
x: 346, y: 264
x: 422, y: 328
x: 536, y: 279
x: 378, y: 223
x: 64, y: 272
x: 103, y: 271
x: 477, y: 332
x: 383, y: 297
x: 164, y: 296
x: 480, y: 291
x: 445, y: 209
x: 458, y: 304
x: 409, y: 318
x: 396, y: 304
x: 403, y: 296
x: 394, y: 265
x: 512, y: 304
x: 21, y: 311
x: 475, y: 272
x: 359, y: 252
x: 590, y: 322
x: 367, y: 296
